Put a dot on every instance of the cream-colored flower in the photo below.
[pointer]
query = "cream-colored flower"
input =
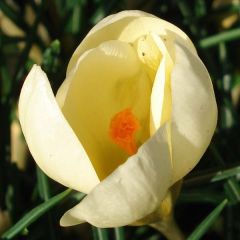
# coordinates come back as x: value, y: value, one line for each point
x: 134, y: 115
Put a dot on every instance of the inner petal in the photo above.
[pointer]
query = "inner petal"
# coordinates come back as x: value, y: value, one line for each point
x: 108, y: 80
x: 161, y: 97
x: 149, y: 54
x: 156, y: 54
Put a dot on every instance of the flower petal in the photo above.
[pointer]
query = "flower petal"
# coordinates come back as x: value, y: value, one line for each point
x: 98, y: 34
x: 126, y: 26
x: 194, y: 111
x: 132, y: 191
x: 161, y: 99
x: 107, y: 29
x: 109, y: 80
x: 51, y: 140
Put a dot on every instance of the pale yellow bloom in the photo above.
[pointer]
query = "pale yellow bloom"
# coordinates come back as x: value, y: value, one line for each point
x: 134, y: 115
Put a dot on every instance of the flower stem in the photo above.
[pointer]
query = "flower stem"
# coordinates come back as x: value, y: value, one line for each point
x: 169, y: 229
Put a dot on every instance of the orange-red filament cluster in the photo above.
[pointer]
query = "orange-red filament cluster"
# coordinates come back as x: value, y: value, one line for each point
x: 122, y: 129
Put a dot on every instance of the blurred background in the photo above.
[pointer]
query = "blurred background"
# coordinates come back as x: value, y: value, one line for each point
x: 46, y: 33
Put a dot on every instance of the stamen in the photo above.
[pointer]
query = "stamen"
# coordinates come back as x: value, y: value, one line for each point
x: 122, y: 129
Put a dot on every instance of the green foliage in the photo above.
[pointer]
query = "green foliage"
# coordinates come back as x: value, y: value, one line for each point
x: 34, y: 214
x: 207, y: 222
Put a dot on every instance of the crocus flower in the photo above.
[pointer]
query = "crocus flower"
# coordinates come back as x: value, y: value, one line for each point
x: 134, y: 115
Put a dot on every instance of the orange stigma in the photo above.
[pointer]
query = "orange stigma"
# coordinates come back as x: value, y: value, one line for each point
x: 122, y: 128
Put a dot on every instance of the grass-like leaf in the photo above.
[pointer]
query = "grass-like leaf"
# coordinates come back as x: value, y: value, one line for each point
x: 119, y: 233
x: 212, y: 177
x: 207, y: 222
x: 226, y: 36
x: 43, y: 185
x: 100, y: 233
x: 34, y: 214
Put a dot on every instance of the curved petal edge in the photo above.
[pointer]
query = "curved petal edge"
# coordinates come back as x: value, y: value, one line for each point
x: 132, y: 191
x: 50, y: 139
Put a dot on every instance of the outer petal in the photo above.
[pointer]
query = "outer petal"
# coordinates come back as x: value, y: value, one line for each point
x: 97, y: 35
x: 51, y: 140
x: 132, y: 191
x: 194, y: 111
x: 107, y: 29
x: 126, y: 26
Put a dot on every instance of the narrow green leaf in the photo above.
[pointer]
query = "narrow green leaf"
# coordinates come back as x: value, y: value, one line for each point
x: 220, y: 37
x: 119, y: 233
x: 212, y: 176
x: 50, y: 57
x: 232, y: 190
x: 78, y: 196
x: 34, y: 214
x: 207, y: 222
x: 44, y: 192
x: 222, y: 175
x: 100, y: 233
x: 43, y: 185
